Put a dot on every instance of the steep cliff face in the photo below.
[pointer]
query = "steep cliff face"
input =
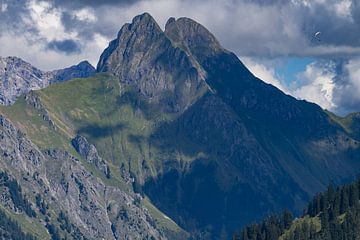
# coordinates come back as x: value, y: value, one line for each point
x: 18, y: 77
x: 144, y: 58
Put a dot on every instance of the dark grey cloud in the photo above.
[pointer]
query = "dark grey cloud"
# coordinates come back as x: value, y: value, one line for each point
x: 294, y: 24
x: 67, y: 46
x: 347, y: 86
x: 83, y: 28
x: 91, y: 3
x: 86, y: 29
x: 335, y: 29
x: 12, y: 17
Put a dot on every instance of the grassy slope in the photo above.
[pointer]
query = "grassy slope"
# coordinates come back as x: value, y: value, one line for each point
x: 350, y: 123
x: 307, y: 219
x: 109, y: 116
x: 298, y: 222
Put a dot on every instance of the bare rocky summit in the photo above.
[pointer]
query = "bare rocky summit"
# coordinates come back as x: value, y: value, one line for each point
x: 143, y: 57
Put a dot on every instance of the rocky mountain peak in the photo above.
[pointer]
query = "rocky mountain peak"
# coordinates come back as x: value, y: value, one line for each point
x: 85, y: 64
x: 17, y: 75
x: 145, y: 58
x: 9, y: 65
x: 82, y: 70
x: 143, y: 21
x: 192, y: 35
x: 138, y: 36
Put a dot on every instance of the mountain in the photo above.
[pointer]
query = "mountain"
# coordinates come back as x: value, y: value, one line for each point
x: 83, y: 70
x: 19, y: 77
x: 181, y: 131
x: 144, y: 58
x: 331, y: 215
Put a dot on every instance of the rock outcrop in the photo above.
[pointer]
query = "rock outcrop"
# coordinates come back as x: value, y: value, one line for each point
x: 90, y: 154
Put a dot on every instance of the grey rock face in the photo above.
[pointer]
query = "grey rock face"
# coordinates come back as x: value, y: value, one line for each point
x: 97, y: 210
x: 18, y: 77
x: 90, y: 154
x: 145, y: 58
x: 192, y: 36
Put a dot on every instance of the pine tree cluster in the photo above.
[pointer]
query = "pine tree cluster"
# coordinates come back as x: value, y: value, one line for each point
x: 19, y: 200
x: 9, y: 229
x: 337, y: 209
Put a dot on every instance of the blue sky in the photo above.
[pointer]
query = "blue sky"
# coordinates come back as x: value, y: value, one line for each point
x: 274, y: 38
x: 291, y: 67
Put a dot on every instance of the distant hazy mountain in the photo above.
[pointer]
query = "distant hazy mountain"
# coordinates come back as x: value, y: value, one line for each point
x: 19, y: 77
x: 172, y: 138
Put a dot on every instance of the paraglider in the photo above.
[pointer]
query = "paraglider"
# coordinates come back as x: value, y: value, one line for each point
x: 317, y: 36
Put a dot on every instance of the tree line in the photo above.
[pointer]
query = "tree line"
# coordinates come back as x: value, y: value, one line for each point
x: 331, y: 215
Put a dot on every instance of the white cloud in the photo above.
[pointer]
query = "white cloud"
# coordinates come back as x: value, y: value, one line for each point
x: 34, y: 53
x: 85, y: 14
x: 317, y: 85
x: 47, y: 21
x: 347, y: 91
x: 353, y: 68
x: 3, y: 7
x: 343, y: 8
x: 267, y: 74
